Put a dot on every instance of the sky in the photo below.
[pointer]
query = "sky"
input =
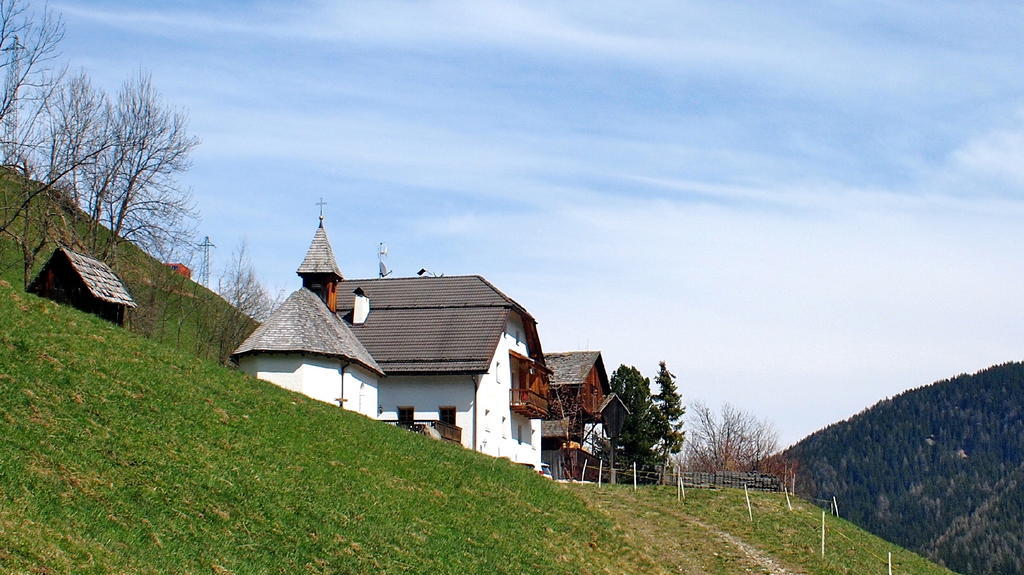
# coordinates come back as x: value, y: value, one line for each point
x: 802, y: 208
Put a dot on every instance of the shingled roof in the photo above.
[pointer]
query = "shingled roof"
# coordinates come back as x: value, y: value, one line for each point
x: 304, y: 324
x: 570, y: 367
x: 320, y: 257
x: 99, y: 279
x: 426, y: 325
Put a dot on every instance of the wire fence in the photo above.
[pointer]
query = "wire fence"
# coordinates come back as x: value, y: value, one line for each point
x: 755, y: 481
x: 827, y: 529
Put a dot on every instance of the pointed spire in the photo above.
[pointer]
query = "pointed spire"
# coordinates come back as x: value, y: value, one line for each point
x: 320, y: 257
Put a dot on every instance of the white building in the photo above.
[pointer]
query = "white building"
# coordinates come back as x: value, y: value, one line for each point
x: 450, y: 356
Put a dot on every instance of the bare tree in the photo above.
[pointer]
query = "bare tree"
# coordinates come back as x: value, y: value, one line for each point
x: 734, y: 440
x: 242, y: 289
x: 28, y: 50
x: 251, y: 303
x: 78, y: 131
x: 28, y: 53
x: 138, y: 197
x: 70, y: 144
x: 566, y: 409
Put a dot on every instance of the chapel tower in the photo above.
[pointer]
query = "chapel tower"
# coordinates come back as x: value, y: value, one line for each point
x: 319, y: 271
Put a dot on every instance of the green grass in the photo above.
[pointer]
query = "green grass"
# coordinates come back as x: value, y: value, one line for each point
x: 122, y: 455
x: 793, y: 538
x: 171, y: 309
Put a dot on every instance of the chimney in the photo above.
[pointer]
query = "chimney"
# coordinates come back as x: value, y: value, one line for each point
x: 361, y: 307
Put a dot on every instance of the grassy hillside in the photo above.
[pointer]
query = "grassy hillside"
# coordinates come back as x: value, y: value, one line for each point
x: 171, y: 309
x: 711, y: 532
x: 937, y: 469
x: 124, y: 455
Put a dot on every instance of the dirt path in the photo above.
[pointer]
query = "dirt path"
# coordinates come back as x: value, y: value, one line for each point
x: 682, y: 544
x: 769, y: 564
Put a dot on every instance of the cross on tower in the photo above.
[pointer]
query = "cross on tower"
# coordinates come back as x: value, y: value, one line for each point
x: 321, y: 203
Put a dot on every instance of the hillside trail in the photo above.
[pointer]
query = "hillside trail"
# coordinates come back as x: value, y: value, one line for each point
x: 765, y: 561
x: 681, y: 543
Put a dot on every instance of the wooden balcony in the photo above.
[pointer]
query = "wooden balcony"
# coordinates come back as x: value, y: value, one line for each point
x: 445, y: 431
x: 529, y: 394
x: 528, y: 402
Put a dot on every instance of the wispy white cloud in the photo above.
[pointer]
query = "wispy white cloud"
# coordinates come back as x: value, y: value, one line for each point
x: 998, y: 152
x: 805, y: 208
x: 777, y: 47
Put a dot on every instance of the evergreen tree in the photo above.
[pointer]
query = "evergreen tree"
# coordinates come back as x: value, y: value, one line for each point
x: 669, y: 405
x: 641, y: 432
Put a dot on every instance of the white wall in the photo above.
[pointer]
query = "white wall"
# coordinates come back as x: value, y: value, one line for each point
x: 499, y: 432
x: 426, y: 393
x: 499, y: 427
x: 316, y: 377
x: 361, y: 391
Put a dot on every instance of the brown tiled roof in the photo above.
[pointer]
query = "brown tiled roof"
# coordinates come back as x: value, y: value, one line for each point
x: 304, y: 324
x: 431, y: 324
x: 320, y: 257
x: 100, y: 280
x: 570, y: 367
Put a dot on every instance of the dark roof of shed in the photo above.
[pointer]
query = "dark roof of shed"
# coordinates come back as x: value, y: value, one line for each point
x: 431, y: 324
x: 99, y: 279
x: 319, y: 257
x: 304, y: 324
x: 570, y: 367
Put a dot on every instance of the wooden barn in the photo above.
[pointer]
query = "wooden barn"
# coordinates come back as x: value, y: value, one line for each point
x: 579, y: 391
x: 86, y: 283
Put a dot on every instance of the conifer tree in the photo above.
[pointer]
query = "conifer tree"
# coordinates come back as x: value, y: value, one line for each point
x: 670, y: 408
x: 639, y: 437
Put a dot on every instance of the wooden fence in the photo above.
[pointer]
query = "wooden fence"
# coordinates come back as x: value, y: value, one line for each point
x: 739, y: 480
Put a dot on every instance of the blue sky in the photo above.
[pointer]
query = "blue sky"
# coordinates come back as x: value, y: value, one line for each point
x: 801, y: 209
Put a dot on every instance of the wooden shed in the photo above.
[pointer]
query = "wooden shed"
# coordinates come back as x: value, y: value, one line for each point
x: 86, y: 283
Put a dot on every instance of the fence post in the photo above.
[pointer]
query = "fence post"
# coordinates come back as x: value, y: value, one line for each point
x: 835, y: 505
x: 611, y: 462
x: 822, y: 533
x: 583, y: 476
x: 750, y: 511
x: 890, y: 563
x: 600, y: 471
x: 788, y: 504
x: 634, y: 476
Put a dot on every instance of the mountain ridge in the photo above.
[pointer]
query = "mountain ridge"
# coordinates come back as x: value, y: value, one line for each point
x: 928, y: 467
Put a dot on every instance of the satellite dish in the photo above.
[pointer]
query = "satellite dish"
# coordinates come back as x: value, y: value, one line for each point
x: 382, y: 252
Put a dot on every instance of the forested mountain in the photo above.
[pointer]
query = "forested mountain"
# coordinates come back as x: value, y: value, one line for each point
x: 938, y: 469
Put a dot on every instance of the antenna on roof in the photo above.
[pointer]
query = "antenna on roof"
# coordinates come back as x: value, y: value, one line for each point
x: 382, y: 252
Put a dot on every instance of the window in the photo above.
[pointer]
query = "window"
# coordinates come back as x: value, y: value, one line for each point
x: 406, y: 414
x: 446, y: 414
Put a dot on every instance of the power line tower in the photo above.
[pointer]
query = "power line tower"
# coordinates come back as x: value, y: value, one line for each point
x: 204, y: 273
x: 10, y: 144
